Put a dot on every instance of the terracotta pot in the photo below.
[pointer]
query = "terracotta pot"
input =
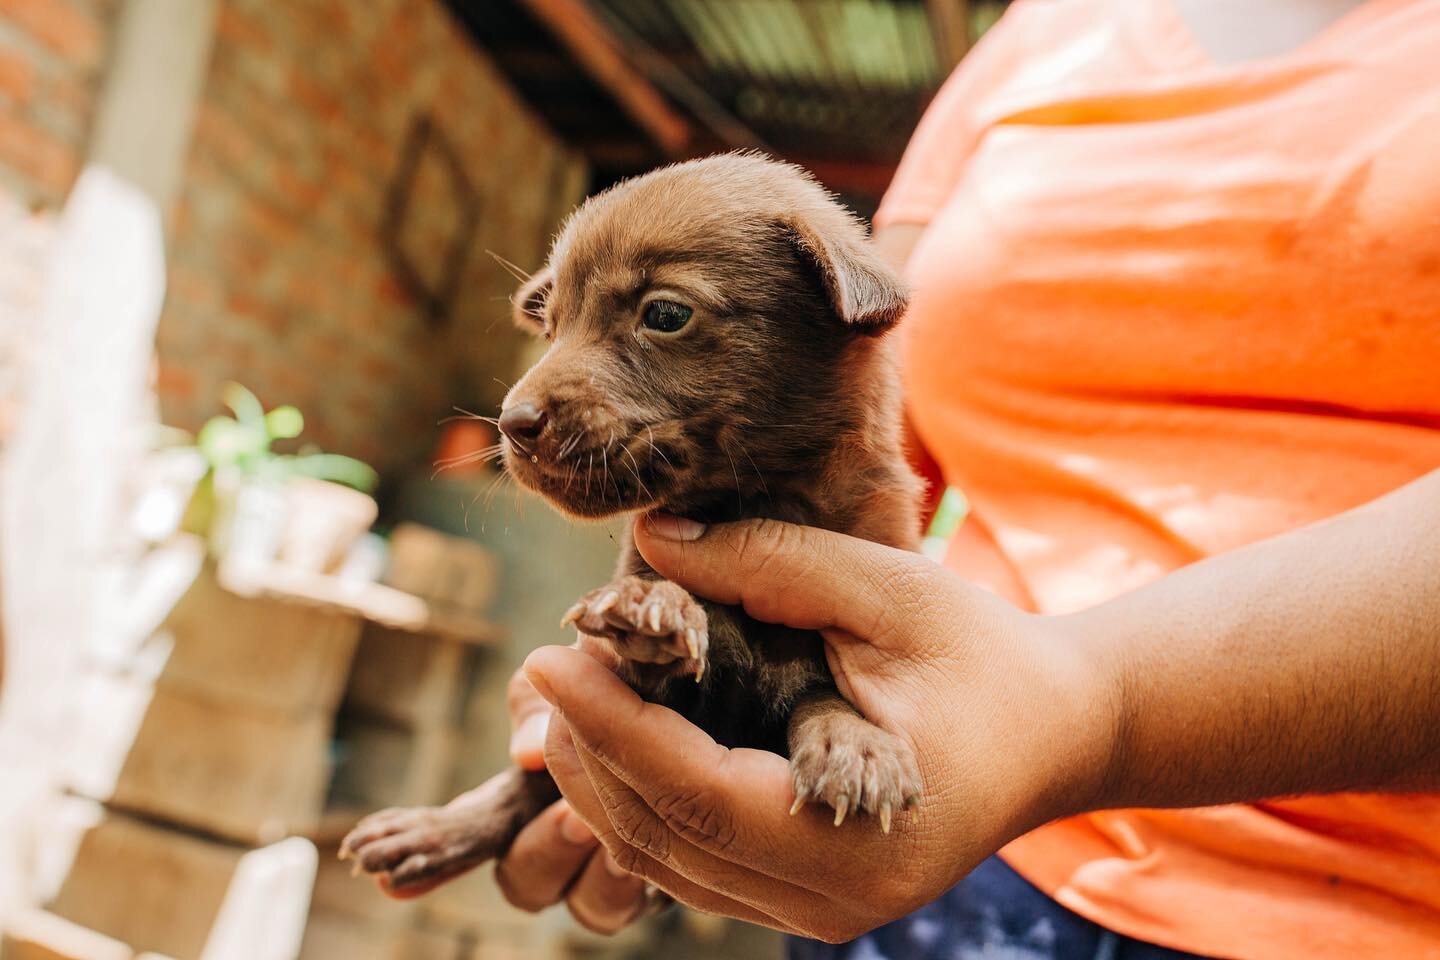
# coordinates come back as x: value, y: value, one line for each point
x: 323, y: 521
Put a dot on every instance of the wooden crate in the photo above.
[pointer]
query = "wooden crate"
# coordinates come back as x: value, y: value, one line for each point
x: 257, y: 653
x: 252, y: 777
x: 452, y: 574
x: 338, y: 893
x: 40, y: 935
x: 181, y: 895
x: 407, y: 678
x: 338, y: 936
x: 382, y: 765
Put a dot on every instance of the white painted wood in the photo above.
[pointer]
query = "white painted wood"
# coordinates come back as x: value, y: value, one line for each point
x: 64, y: 478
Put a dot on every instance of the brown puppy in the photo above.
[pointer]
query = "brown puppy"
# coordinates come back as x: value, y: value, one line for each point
x: 715, y: 352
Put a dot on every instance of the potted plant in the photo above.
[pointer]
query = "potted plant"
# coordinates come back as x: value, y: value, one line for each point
x: 258, y: 506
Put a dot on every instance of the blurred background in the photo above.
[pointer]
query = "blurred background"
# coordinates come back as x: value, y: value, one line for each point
x: 258, y: 578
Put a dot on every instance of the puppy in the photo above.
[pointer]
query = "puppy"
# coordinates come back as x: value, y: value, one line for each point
x: 716, y: 351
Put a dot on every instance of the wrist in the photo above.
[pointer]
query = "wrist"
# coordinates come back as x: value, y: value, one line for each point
x: 1081, y: 699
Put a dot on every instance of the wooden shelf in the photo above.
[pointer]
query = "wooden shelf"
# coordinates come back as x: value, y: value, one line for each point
x: 373, y: 601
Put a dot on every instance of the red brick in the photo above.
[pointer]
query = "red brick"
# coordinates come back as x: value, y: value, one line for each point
x: 389, y: 290
x: 217, y: 131
x: 197, y: 288
x: 236, y: 27
x: 302, y: 195
x: 52, y: 164
x: 379, y: 369
x: 336, y: 16
x: 269, y: 225
x: 17, y: 76
x: 61, y: 26
x: 313, y: 96
x: 242, y: 256
x: 173, y: 381
x: 247, y: 310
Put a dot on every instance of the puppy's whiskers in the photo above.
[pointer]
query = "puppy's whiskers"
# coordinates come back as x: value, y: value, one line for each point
x: 569, y: 445
x: 636, y: 471
x: 656, y: 450
x: 462, y: 414
x: 739, y: 498
x: 758, y: 475
x: 514, y: 269
x: 488, y: 492
x: 465, y: 459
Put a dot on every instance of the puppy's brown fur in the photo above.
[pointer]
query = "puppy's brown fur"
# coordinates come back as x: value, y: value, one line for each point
x: 777, y: 399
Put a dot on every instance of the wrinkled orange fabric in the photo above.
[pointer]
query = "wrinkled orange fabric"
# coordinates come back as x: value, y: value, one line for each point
x: 1165, y: 307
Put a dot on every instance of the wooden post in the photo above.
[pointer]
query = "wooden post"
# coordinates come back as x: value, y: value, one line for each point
x: 950, y: 20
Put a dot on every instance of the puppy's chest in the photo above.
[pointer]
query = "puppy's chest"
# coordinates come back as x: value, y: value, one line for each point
x: 756, y: 673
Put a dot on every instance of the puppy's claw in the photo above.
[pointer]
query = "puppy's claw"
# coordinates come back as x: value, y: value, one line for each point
x: 692, y: 643
x: 795, y: 807
x: 842, y: 807
x: 606, y: 602
x: 654, y: 618
x: 572, y: 615
x: 885, y: 817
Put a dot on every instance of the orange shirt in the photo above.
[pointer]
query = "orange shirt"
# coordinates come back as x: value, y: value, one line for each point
x: 1164, y: 308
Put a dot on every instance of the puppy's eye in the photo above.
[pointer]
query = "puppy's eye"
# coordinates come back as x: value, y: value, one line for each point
x: 666, y: 316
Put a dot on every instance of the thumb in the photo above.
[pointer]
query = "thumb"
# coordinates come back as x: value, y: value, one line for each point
x: 802, y: 577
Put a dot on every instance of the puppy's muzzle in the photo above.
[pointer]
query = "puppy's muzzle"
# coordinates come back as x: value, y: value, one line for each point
x: 523, y: 422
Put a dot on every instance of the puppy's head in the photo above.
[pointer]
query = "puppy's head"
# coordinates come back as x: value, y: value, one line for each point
x: 699, y: 320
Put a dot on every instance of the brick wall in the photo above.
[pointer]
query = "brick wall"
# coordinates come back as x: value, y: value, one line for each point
x: 277, y: 277
x: 52, y: 55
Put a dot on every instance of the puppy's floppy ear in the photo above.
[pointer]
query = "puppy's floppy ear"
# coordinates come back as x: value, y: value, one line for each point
x: 861, y: 286
x: 529, y: 300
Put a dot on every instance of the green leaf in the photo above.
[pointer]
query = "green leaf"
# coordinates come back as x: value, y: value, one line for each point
x: 245, y: 404
x: 225, y: 442
x: 337, y: 469
x: 285, y: 422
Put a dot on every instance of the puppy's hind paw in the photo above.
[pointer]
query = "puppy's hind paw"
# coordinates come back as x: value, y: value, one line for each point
x: 858, y: 768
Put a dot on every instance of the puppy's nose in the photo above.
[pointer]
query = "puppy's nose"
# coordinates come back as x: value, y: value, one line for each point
x: 522, y: 421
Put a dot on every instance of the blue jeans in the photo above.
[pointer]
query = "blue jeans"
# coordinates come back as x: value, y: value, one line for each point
x: 993, y: 914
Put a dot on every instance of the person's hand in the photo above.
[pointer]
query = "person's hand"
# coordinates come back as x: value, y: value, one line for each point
x: 556, y: 856
x: 1011, y: 726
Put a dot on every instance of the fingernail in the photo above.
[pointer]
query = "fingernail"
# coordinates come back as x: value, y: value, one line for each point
x: 613, y: 868
x: 530, y: 735
x: 667, y: 526
x: 573, y: 829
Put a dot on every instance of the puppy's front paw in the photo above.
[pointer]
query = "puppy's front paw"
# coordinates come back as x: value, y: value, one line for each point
x: 850, y: 764
x: 648, y: 621
x: 413, y: 849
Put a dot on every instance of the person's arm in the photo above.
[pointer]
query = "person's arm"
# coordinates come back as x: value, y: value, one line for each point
x: 1306, y: 663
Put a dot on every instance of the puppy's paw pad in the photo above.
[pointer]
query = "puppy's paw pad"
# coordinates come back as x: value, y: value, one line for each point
x: 648, y: 621
x: 856, y: 768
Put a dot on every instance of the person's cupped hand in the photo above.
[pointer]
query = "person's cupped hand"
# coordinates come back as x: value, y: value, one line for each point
x: 1010, y: 723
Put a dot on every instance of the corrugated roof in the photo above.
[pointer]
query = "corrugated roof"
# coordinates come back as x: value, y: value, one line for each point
x: 844, y: 78
x: 837, y: 85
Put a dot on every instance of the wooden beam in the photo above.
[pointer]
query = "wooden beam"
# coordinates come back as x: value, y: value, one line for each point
x: 593, y: 46
x: 855, y: 177
x: 619, y: 155
x: 950, y: 22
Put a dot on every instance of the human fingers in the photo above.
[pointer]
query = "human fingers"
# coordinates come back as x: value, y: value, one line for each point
x: 570, y: 772
x: 546, y: 858
x: 802, y: 577
x: 529, y: 716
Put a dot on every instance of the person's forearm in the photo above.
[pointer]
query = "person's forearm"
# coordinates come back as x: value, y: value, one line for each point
x: 1308, y: 663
